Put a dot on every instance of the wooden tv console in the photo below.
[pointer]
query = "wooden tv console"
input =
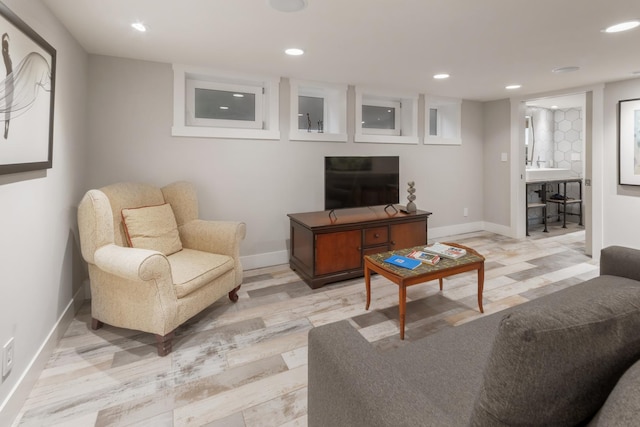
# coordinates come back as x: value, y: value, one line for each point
x: 328, y: 247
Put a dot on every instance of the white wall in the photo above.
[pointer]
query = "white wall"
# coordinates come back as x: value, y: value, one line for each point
x: 39, y: 254
x: 621, y: 204
x: 258, y: 181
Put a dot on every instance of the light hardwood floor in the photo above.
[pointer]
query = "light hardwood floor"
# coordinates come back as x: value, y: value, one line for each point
x: 245, y: 364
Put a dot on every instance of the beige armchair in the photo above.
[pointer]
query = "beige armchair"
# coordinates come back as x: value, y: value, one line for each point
x: 155, y: 290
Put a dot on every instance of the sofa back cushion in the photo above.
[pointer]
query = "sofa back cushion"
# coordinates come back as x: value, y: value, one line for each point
x: 554, y: 364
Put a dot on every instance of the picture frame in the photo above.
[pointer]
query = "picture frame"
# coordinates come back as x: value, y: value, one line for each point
x: 629, y: 142
x: 27, y: 96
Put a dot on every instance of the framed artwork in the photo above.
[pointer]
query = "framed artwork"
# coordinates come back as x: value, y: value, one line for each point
x: 629, y: 141
x: 27, y: 89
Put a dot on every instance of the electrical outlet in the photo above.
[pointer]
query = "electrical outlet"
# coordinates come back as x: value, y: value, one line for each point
x: 465, y: 212
x: 7, y: 357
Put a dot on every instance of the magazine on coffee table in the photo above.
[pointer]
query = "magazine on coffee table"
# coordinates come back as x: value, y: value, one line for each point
x: 402, y: 261
x: 445, y: 250
x: 425, y: 257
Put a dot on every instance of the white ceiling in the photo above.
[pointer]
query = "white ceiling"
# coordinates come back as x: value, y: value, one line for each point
x: 395, y: 44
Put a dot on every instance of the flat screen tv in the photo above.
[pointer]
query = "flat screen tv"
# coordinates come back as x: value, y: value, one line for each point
x: 351, y: 182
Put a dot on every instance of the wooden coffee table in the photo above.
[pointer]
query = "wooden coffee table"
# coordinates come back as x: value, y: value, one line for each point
x: 403, y: 277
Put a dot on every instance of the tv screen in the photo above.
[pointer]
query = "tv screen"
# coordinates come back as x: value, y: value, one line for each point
x: 351, y: 182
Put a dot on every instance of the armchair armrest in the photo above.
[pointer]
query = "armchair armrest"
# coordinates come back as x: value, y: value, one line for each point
x: 220, y: 237
x: 620, y: 261
x: 350, y: 383
x: 132, y: 263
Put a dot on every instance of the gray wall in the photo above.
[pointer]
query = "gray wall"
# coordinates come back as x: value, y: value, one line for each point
x: 496, y: 173
x: 621, y: 204
x: 39, y: 254
x: 258, y: 181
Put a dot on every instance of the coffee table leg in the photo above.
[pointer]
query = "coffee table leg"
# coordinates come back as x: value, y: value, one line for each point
x: 402, y: 306
x: 480, y: 286
x: 440, y: 280
x: 367, y: 282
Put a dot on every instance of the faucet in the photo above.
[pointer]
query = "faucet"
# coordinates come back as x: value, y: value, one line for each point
x: 540, y: 161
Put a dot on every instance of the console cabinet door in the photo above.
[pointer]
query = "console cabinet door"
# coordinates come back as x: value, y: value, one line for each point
x: 407, y: 235
x: 340, y: 251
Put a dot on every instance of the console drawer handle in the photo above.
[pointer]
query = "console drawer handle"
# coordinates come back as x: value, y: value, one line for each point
x: 376, y: 235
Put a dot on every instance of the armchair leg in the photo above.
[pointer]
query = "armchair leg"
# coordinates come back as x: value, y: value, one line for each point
x: 233, y: 295
x: 96, y: 324
x: 165, y: 343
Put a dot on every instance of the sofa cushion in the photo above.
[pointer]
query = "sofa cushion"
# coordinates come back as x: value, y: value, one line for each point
x: 193, y: 269
x: 152, y: 227
x: 555, y: 364
x: 622, y: 407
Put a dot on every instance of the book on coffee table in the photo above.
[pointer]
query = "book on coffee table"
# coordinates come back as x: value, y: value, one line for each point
x: 446, y: 251
x: 425, y: 257
x: 403, y: 261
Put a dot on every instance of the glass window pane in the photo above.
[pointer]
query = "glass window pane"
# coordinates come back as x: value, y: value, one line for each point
x: 224, y: 105
x: 433, y: 121
x: 310, y: 113
x: 374, y: 117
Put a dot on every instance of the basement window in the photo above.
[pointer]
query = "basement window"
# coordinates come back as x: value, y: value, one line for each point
x: 217, y: 105
x: 386, y: 117
x: 318, y: 111
x: 442, y: 121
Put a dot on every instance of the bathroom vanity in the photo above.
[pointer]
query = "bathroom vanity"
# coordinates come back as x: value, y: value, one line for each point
x: 558, y: 188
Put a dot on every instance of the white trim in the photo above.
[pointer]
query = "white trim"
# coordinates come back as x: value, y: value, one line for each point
x: 12, y: 405
x: 335, y: 110
x: 408, y: 119
x: 271, y: 112
x: 251, y: 262
x: 449, y: 120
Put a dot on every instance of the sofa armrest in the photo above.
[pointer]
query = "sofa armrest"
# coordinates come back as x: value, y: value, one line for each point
x: 351, y: 384
x: 132, y: 263
x: 620, y: 261
x: 218, y: 237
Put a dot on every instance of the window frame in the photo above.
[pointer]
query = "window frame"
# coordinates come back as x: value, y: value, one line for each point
x: 334, y: 110
x: 448, y: 122
x: 407, y: 131
x: 269, y: 89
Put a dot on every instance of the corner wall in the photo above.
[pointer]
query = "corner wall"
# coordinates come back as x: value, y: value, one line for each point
x: 39, y: 252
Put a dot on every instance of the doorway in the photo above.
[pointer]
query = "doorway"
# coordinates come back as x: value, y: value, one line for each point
x: 555, y: 149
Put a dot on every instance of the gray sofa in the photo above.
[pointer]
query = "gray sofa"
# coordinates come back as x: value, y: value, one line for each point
x: 568, y: 358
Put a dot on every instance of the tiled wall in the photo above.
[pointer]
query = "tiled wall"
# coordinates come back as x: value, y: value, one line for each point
x: 558, y: 144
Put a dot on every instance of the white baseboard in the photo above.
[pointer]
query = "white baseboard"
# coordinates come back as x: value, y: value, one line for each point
x: 451, y: 230
x: 10, y: 408
x: 498, y: 229
x: 268, y: 259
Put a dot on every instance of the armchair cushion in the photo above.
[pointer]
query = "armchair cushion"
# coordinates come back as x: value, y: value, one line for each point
x: 193, y: 269
x: 152, y: 227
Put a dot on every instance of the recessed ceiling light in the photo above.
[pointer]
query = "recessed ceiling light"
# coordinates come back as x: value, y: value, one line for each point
x: 238, y: 95
x: 139, y: 26
x: 554, y: 107
x: 441, y: 76
x: 288, y: 5
x: 223, y: 107
x: 511, y: 87
x: 568, y: 69
x: 294, y: 51
x: 623, y: 26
